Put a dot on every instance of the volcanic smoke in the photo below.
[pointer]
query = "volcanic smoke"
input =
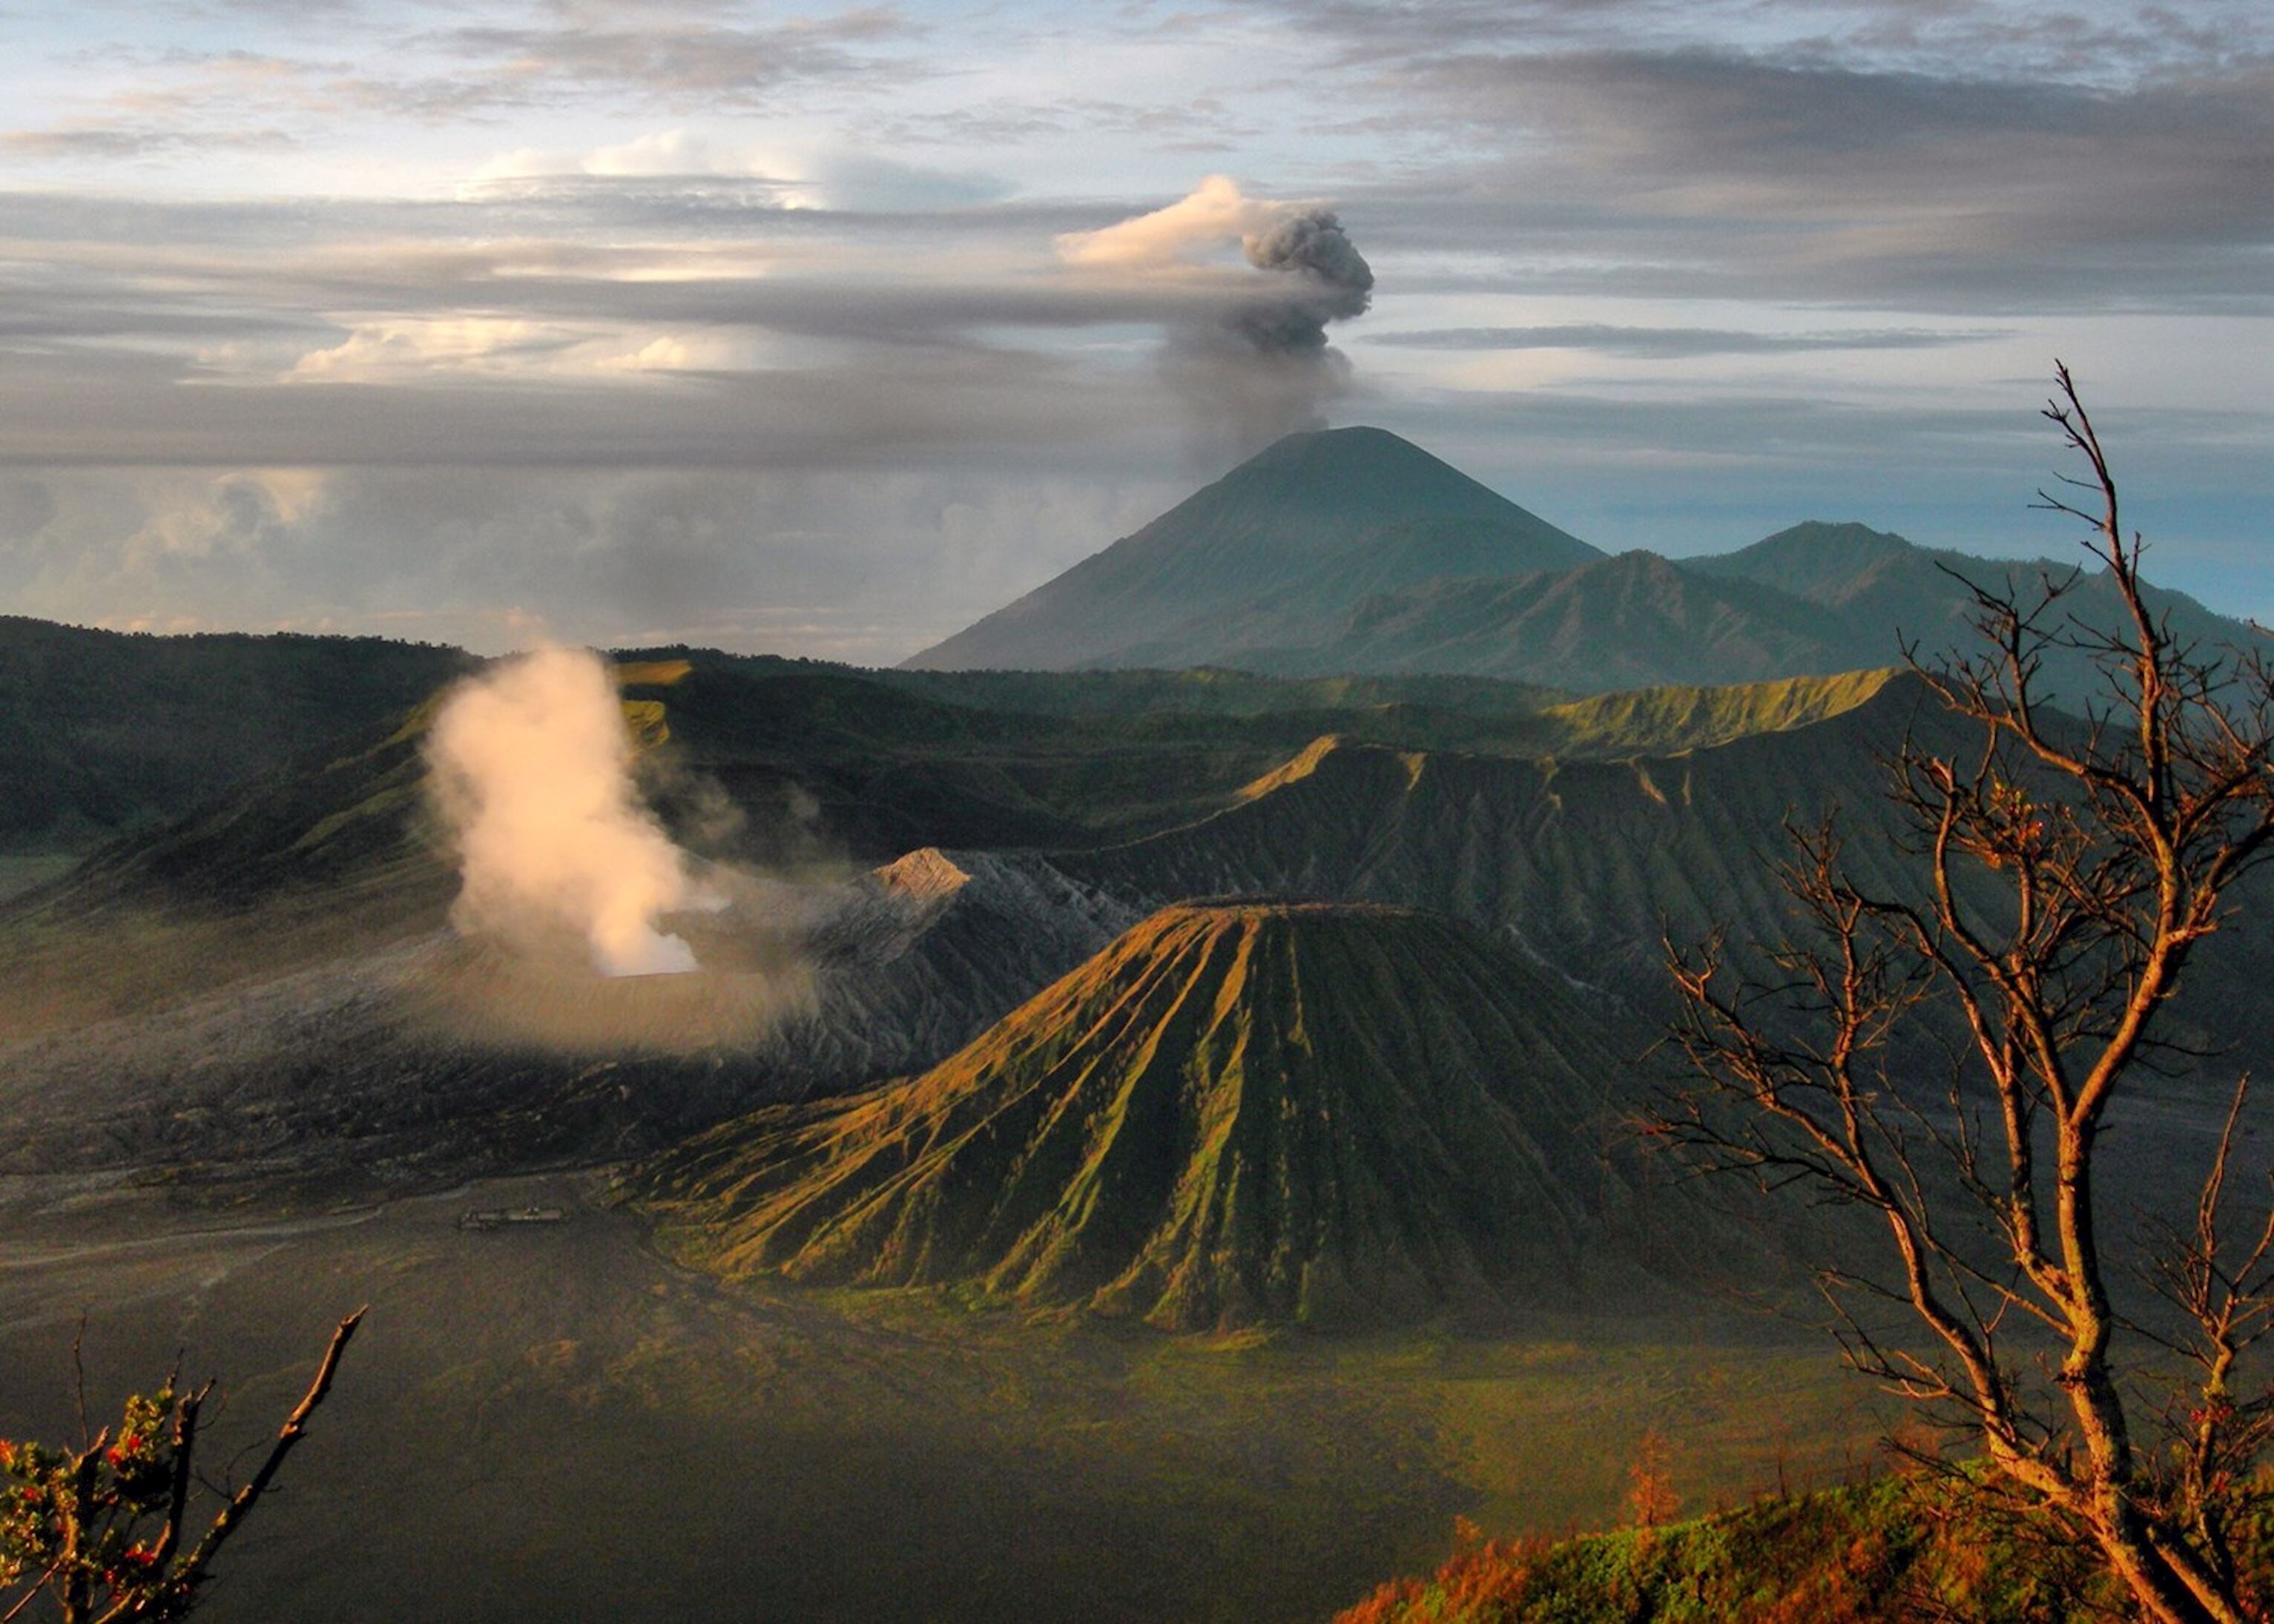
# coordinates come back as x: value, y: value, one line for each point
x: 1319, y: 274
x: 1260, y: 355
x: 530, y: 766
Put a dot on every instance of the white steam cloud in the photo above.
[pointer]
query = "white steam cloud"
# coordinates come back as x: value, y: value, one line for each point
x: 530, y: 766
x: 1216, y: 211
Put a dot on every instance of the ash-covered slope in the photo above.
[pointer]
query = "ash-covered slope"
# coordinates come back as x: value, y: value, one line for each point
x: 1286, y: 543
x: 1237, y: 1113
x: 406, y: 1059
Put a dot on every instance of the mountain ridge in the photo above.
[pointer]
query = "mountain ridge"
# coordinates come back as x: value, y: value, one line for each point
x: 1424, y: 594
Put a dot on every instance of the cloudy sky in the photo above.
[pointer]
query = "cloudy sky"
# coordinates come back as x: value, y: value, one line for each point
x: 823, y: 330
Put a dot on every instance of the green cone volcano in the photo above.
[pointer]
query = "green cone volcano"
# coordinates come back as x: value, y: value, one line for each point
x: 1233, y: 1114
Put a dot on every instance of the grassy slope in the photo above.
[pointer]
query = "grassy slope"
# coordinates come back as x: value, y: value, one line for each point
x: 1892, y: 1551
x: 1235, y: 1113
x: 1663, y: 720
x: 1212, y: 688
x: 1617, y: 623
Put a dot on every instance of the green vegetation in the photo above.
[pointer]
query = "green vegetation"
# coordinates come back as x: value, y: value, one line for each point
x: 103, y: 733
x: 1664, y: 720
x: 1893, y: 1550
x: 1214, y: 689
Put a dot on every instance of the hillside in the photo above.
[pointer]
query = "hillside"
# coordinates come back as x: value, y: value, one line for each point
x: 1623, y: 623
x: 1293, y: 536
x: 786, y: 764
x: 1888, y: 1551
x: 1586, y: 860
x: 1235, y: 1113
x: 1882, y: 590
x: 103, y: 733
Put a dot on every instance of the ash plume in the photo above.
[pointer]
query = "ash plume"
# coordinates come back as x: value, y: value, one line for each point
x: 530, y: 766
x: 1257, y: 364
x: 1337, y: 282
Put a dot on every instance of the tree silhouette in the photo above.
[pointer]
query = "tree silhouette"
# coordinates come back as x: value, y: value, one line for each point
x: 1946, y: 1060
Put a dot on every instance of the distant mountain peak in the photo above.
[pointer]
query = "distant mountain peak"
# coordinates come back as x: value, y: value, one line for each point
x: 1350, y: 434
x: 1333, y: 450
x: 1811, y: 558
x: 1845, y: 536
x: 1285, y: 544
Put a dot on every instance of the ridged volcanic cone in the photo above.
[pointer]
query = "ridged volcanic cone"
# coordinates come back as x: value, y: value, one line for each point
x: 1232, y: 1114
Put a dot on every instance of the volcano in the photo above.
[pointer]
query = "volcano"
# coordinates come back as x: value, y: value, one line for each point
x: 1279, y: 550
x: 1235, y: 1113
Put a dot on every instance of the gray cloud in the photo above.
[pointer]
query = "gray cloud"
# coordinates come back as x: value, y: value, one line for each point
x: 1690, y: 172
x: 863, y: 566
x: 2105, y: 45
x: 512, y: 331
x: 695, y: 58
x: 377, y: 67
x: 899, y: 408
x: 1677, y: 343
x: 115, y: 143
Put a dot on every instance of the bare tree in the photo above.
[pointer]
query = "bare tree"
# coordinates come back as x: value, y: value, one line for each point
x: 1946, y: 1060
x: 103, y: 1532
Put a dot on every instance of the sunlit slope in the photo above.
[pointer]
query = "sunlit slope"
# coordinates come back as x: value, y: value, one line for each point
x: 1214, y: 689
x: 1235, y: 1113
x: 1293, y: 536
x: 1682, y: 717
